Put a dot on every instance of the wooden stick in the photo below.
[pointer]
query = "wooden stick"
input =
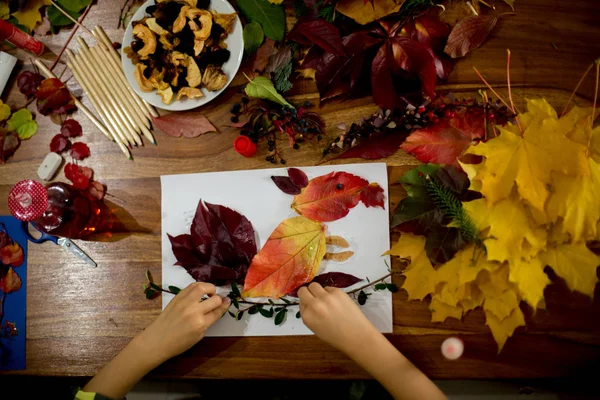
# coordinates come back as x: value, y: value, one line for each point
x: 130, y: 107
x: 48, y: 74
x: 66, y: 14
x: 73, y: 31
x: 80, y: 67
x: 87, y: 68
x: 94, y: 97
x: 101, y: 36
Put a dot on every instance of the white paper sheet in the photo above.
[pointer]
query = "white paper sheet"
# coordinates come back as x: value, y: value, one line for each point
x: 253, y: 194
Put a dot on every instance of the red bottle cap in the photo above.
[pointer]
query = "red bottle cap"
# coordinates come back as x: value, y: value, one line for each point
x: 244, y: 146
x: 28, y: 200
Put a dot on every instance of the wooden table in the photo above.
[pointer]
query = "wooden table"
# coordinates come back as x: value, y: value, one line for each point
x: 78, y: 318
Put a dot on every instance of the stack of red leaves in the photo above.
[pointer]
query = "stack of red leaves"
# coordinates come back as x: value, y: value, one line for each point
x: 219, y: 248
x: 407, y: 57
x: 53, y: 97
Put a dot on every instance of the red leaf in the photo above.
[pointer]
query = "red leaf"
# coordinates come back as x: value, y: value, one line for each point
x: 220, y: 246
x: 469, y: 34
x: 262, y: 55
x: 48, y: 88
x: 28, y: 83
x: 298, y: 177
x: 312, y: 58
x: 286, y: 185
x: 444, y: 142
x: 375, y: 147
x: 54, y: 98
x: 433, y: 33
x: 97, y: 190
x: 71, y: 128
x: 9, y: 143
x: 320, y: 32
x: 384, y: 93
x: 373, y: 196
x: 415, y: 58
x: 12, y: 254
x: 79, y: 151
x: 189, y: 124
x: 330, y: 197
x: 59, y: 143
x: 11, y: 282
x: 331, y: 279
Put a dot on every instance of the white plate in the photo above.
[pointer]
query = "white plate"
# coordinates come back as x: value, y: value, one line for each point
x: 235, y: 44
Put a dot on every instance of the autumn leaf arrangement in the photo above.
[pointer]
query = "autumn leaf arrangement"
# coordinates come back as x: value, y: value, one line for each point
x: 483, y: 237
x: 221, y: 246
x: 40, y: 16
x: 54, y: 100
x: 11, y: 257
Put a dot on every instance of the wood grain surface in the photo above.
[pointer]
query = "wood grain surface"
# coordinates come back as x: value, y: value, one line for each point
x: 79, y: 318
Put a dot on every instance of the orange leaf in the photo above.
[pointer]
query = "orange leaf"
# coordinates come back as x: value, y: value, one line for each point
x: 290, y: 257
x: 330, y: 197
x: 11, y: 282
x: 12, y: 254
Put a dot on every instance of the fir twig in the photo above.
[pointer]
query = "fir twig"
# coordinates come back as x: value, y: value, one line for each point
x: 446, y: 201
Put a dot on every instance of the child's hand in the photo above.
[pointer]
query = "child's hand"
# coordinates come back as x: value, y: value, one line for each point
x: 334, y: 317
x: 184, y: 321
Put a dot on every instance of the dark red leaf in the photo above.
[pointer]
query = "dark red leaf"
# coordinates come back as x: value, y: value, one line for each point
x: 319, y: 32
x: 189, y: 124
x: 469, y: 34
x: 373, y: 196
x: 220, y: 247
x: 262, y: 55
x: 48, y: 88
x: 332, y: 279
x: 433, y: 33
x: 312, y: 58
x: 376, y: 147
x: 384, y: 93
x: 28, y: 82
x: 79, y: 151
x: 444, y: 142
x: 286, y: 185
x: 59, y: 143
x: 298, y: 177
x: 415, y: 58
x: 9, y: 143
x: 71, y: 128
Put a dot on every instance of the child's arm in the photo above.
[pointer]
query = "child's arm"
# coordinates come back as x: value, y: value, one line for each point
x: 336, y: 319
x: 180, y: 326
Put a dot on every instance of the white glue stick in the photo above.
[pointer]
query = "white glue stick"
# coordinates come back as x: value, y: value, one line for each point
x: 7, y: 64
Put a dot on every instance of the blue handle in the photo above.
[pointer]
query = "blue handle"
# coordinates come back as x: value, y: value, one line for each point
x: 44, y: 238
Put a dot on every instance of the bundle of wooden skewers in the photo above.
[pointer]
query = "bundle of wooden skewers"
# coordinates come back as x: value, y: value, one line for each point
x: 125, y: 116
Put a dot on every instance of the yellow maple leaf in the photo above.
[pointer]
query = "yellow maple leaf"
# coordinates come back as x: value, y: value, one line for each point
x: 503, y: 329
x: 440, y: 311
x: 420, y: 275
x: 4, y: 10
x: 493, y: 283
x: 30, y: 15
x: 575, y: 200
x: 576, y: 264
x: 526, y: 160
x: 530, y: 279
x: 504, y: 240
x: 503, y: 305
x: 363, y: 13
x: 473, y: 300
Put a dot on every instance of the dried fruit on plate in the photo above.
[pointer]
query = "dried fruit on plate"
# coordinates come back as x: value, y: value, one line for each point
x: 180, y: 48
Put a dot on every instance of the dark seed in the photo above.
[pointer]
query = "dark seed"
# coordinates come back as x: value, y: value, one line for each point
x: 339, y: 186
x: 319, y: 137
x: 307, y: 103
x: 234, y: 119
x: 296, y: 146
x: 245, y: 100
x: 283, y: 161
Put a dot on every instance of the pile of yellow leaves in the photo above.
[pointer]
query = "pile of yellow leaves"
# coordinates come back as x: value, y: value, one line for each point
x: 29, y: 17
x: 541, y: 185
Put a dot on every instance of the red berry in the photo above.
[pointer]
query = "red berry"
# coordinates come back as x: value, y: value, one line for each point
x: 447, y: 113
x: 421, y: 109
x: 430, y: 115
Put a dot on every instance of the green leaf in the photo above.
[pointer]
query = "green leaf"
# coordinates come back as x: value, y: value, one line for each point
x: 20, y: 118
x: 235, y: 290
x: 286, y: 301
x: 392, y: 287
x: 277, y: 309
x: 149, y: 277
x: 298, y: 315
x: 281, y: 77
x: 253, y: 37
x: 266, y: 313
x: 27, y: 130
x: 4, y: 111
x: 415, y: 182
x: 271, y: 302
x: 280, y: 317
x: 57, y: 18
x: 240, y: 315
x: 362, y: 297
x: 73, y: 5
x: 174, y: 289
x: 262, y: 88
x: 14, y: 21
x: 235, y: 302
x: 253, y: 310
x: 380, y: 286
x: 155, y: 286
x: 270, y: 16
x: 232, y: 315
x: 151, y: 294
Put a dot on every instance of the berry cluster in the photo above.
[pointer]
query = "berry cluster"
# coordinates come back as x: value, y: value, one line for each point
x: 263, y: 120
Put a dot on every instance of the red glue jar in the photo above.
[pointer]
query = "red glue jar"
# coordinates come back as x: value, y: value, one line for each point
x: 58, y: 209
